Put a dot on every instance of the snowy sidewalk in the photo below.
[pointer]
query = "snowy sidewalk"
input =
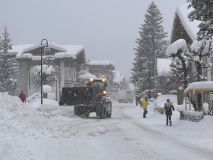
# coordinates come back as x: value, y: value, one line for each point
x: 196, y: 133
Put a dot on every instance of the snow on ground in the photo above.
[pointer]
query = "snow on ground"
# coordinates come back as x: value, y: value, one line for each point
x: 19, y: 124
x: 196, y: 133
x: 53, y: 132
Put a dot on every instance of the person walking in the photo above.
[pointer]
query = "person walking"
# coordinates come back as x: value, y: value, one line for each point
x: 144, y: 104
x: 22, y: 96
x: 168, y: 106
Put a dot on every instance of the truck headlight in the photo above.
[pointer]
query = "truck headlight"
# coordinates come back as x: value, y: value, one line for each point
x: 104, y: 92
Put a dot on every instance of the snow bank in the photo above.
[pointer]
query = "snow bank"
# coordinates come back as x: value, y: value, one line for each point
x: 21, y: 120
x: 48, y: 104
x: 173, y: 48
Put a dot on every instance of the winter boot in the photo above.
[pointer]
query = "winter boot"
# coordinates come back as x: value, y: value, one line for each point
x: 170, y: 123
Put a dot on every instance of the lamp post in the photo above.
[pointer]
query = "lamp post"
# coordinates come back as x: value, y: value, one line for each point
x: 42, y: 46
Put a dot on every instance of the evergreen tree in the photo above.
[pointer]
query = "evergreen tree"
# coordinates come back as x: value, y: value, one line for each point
x: 202, y: 11
x: 7, y: 73
x: 151, y: 45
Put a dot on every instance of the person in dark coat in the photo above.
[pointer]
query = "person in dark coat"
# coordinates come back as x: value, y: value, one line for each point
x: 22, y: 96
x: 168, y: 110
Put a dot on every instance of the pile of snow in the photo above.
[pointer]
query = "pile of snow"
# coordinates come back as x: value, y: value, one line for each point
x: 173, y: 48
x: 48, y: 104
x: 190, y: 26
x: 22, y: 120
x: 87, y: 76
x: 99, y: 62
x: 201, y: 86
x: 47, y: 88
x: 163, y: 66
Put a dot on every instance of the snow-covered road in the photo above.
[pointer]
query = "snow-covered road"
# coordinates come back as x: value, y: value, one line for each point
x: 120, y: 138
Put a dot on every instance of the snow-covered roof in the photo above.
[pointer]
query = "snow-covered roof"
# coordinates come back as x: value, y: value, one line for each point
x: 87, y: 76
x: 59, y: 55
x: 163, y: 66
x: 20, y: 48
x: 118, y: 76
x: 64, y: 51
x: 200, y: 86
x: 99, y: 62
x: 55, y: 46
x: 173, y: 48
x: 190, y: 26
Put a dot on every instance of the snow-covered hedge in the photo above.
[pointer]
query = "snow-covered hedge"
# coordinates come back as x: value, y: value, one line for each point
x: 191, y: 116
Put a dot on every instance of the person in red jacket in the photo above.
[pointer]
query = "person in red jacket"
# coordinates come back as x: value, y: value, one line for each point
x: 22, y: 96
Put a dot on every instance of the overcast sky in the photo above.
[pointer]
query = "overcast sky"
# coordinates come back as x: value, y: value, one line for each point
x: 106, y: 28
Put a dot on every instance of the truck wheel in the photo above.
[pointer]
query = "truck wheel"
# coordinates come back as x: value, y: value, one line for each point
x: 76, y: 111
x: 61, y: 103
x: 98, y: 115
x: 109, y: 113
x: 104, y: 113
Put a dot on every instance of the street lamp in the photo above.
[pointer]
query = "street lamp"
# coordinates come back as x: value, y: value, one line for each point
x: 42, y: 49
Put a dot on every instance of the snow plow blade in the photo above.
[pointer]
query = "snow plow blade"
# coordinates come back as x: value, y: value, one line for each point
x: 75, y: 96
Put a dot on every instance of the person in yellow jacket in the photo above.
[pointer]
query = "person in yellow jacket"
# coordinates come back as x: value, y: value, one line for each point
x: 144, y: 104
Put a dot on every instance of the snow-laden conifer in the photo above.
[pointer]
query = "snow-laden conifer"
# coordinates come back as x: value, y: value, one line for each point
x: 151, y: 45
x: 7, y: 70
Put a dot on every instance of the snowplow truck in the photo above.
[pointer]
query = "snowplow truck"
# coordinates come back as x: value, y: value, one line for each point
x: 91, y: 98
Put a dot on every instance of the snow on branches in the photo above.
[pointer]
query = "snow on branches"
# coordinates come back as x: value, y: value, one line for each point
x: 202, y: 11
x: 201, y: 51
x: 47, y: 75
x: 180, y: 58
